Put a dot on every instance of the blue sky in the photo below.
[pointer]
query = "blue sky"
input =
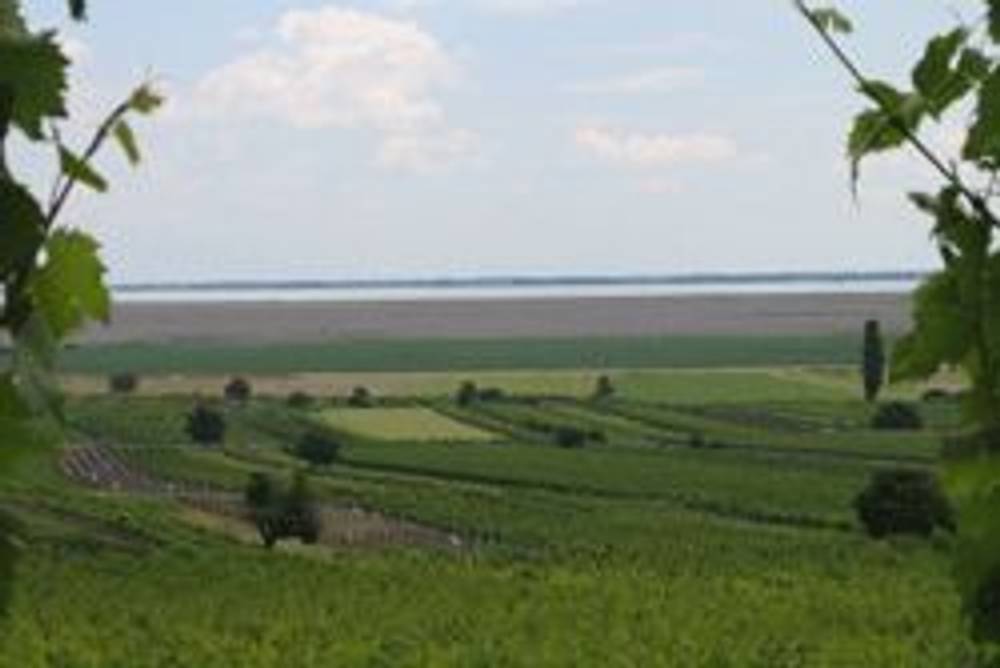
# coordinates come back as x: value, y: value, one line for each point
x: 389, y: 138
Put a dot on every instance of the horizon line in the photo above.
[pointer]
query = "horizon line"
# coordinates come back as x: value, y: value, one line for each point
x: 528, y: 281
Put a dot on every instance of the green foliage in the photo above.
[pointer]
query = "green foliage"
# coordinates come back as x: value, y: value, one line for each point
x: 873, y: 361
x: 957, y: 309
x: 206, y: 425
x: 897, y: 416
x: 53, y: 279
x: 279, y: 513
x: 903, y: 501
x: 238, y: 390
x: 832, y: 20
x: 317, y: 447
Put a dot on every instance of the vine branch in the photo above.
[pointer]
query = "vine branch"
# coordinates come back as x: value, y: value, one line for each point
x: 975, y: 200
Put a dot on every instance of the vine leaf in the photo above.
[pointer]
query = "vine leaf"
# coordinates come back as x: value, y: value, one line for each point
x: 11, y: 22
x: 78, y: 9
x: 126, y: 140
x: 145, y: 100
x: 983, y: 141
x: 69, y: 288
x: 831, y: 20
x: 33, y: 69
x: 994, y: 18
x: 77, y: 169
x: 883, y: 127
x: 21, y: 226
x: 946, y: 73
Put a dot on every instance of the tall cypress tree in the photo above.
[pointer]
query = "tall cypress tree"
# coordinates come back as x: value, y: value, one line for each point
x: 873, y: 360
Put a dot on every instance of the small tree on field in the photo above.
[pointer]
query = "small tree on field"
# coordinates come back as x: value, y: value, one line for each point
x: 124, y: 382
x: 238, y: 390
x: 279, y: 514
x: 467, y: 393
x: 604, y: 389
x: 299, y: 400
x: 570, y: 437
x: 317, y: 447
x: 205, y: 425
x: 897, y: 416
x: 873, y: 361
x: 901, y: 501
x: 361, y: 397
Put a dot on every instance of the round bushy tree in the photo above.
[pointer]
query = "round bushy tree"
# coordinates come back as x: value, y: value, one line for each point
x: 903, y: 501
x: 123, y: 382
x: 467, y: 393
x: 317, y: 447
x: 361, y: 397
x: 205, y: 425
x: 238, y: 390
x: 897, y: 416
x: 570, y: 437
x: 299, y: 400
x: 604, y: 388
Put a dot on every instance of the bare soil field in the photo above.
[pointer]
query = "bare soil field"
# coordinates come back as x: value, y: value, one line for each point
x: 313, y: 322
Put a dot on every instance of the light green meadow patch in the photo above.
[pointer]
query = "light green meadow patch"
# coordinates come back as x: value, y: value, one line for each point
x: 403, y: 424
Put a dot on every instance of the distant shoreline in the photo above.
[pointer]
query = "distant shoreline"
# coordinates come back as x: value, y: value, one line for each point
x: 721, y: 279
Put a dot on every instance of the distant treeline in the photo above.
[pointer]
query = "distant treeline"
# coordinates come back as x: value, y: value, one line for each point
x: 785, y: 278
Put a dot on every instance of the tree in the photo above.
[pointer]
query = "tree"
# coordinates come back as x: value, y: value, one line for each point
x: 281, y: 514
x: 467, y: 393
x: 901, y: 501
x: 897, y: 416
x: 956, y: 322
x: 52, y: 277
x: 205, y: 425
x: 299, y: 400
x: 318, y: 448
x: 123, y: 382
x: 361, y: 397
x: 873, y: 361
x: 237, y: 390
x: 604, y: 388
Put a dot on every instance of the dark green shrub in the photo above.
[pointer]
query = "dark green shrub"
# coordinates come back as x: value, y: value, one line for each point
x: 604, y: 389
x: 361, y: 397
x: 123, y: 382
x: 467, y: 393
x: 206, y: 425
x: 903, y: 501
x: 897, y: 416
x: 237, y: 390
x: 299, y: 400
x: 317, y: 447
x: 873, y: 360
x: 570, y: 437
x: 278, y: 514
x: 492, y: 394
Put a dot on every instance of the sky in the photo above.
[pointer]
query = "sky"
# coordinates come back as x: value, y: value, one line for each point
x: 422, y: 138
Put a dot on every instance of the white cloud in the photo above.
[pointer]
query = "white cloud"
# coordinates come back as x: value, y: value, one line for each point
x: 657, y: 80
x: 515, y: 7
x: 645, y: 150
x: 338, y: 68
x: 426, y: 152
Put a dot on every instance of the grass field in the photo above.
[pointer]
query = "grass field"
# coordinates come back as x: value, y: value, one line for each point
x: 403, y: 424
x: 465, y: 354
x: 706, y: 521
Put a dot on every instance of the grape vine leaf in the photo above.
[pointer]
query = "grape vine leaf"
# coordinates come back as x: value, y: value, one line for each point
x: 983, y: 141
x: 69, y: 288
x: 126, y: 140
x: 33, y: 68
x: 21, y: 226
x: 832, y: 20
x: 77, y: 169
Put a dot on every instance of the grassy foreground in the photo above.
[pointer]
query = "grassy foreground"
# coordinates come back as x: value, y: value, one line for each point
x: 705, y: 520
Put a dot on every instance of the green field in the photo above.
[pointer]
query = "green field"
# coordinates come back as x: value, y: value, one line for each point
x: 706, y: 520
x: 402, y: 424
x: 466, y: 354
